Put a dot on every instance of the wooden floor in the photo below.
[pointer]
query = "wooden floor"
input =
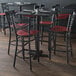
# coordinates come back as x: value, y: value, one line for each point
x: 55, y: 67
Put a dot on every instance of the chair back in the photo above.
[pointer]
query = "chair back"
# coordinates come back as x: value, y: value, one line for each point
x: 54, y: 15
x: 71, y: 20
x: 5, y: 7
x: 58, y: 19
x: 10, y: 16
x: 11, y: 19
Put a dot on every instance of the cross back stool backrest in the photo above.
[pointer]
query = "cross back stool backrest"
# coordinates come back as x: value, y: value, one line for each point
x: 10, y: 15
x: 5, y: 7
x: 70, y: 21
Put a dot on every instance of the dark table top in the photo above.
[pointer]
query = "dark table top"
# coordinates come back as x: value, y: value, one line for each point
x: 32, y: 13
x: 71, y: 6
x: 20, y: 4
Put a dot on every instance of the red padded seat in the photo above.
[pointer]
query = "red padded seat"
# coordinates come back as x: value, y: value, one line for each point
x: 20, y: 24
x: 58, y: 28
x: 2, y: 14
x: 63, y: 16
x: 28, y: 15
x: 25, y: 33
x: 46, y: 22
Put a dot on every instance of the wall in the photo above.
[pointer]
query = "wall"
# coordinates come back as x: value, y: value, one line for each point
x: 48, y: 3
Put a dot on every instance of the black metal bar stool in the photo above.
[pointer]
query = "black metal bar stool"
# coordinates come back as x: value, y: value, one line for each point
x: 57, y: 29
x: 21, y: 34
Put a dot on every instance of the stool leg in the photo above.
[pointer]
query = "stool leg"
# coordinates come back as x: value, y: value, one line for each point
x: 0, y: 25
x: 37, y: 48
x: 67, y: 47
x: 30, y: 54
x: 70, y: 46
x: 23, y: 53
x: 15, y: 52
x: 41, y: 34
x: 9, y: 41
x: 49, y: 44
x: 54, y: 41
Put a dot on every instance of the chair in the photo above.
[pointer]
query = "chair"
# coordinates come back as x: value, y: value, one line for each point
x: 21, y: 34
x: 33, y: 18
x: 18, y: 25
x: 46, y: 23
x: 4, y: 7
x: 58, y: 29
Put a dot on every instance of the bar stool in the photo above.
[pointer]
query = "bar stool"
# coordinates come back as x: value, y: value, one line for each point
x: 57, y: 29
x: 21, y: 34
x: 46, y: 22
x: 33, y: 18
x: 18, y: 25
x: 4, y: 7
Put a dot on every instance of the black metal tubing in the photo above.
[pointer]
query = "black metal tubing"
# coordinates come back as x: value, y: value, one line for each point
x: 15, y: 52
x: 67, y: 35
x: 9, y: 16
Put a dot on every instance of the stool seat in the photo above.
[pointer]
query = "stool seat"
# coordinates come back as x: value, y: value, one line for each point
x: 20, y: 24
x: 2, y: 14
x: 28, y: 15
x: 25, y: 33
x: 58, y: 28
x: 63, y: 16
x: 46, y: 22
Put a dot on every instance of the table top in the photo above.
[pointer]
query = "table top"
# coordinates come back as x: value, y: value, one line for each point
x: 42, y: 11
x: 70, y: 6
x: 32, y: 13
x: 20, y: 4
